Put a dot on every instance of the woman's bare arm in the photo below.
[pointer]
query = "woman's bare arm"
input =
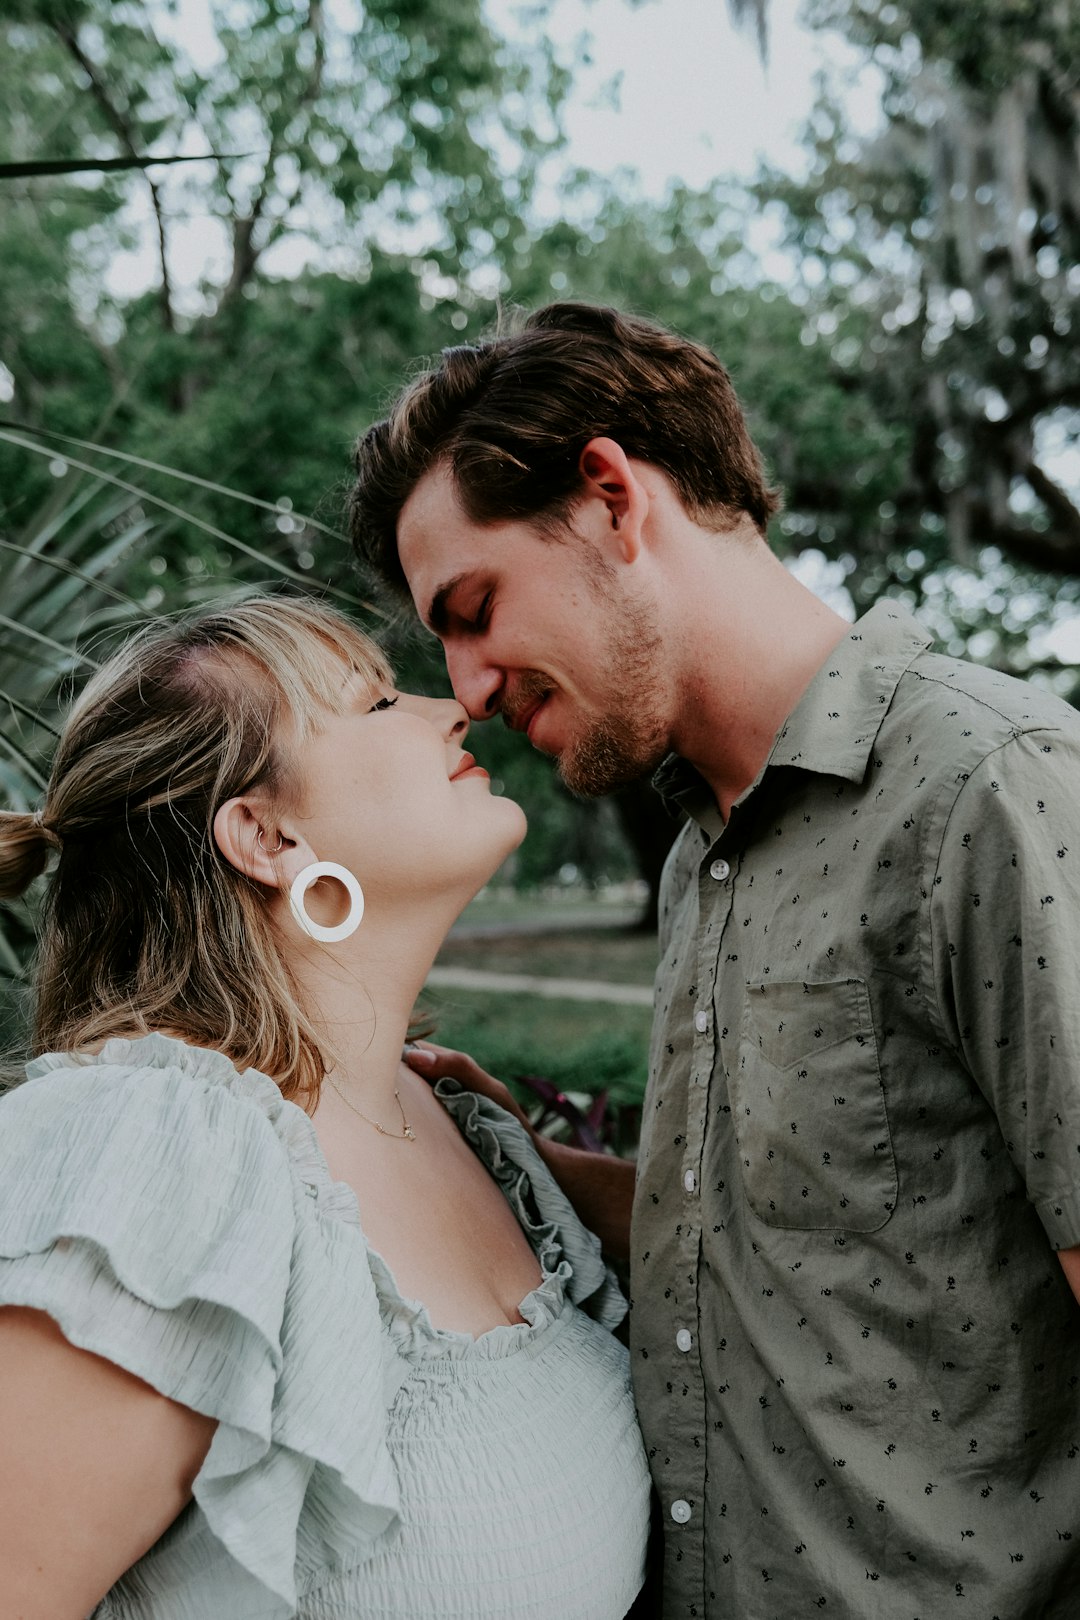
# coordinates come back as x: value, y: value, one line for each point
x: 94, y: 1466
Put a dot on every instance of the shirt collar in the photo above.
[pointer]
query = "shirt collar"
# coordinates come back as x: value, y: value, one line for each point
x: 832, y: 728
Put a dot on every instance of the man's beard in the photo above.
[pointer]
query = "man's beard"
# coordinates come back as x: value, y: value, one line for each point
x: 626, y: 743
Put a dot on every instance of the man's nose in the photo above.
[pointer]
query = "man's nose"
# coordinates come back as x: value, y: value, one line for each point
x: 478, y: 685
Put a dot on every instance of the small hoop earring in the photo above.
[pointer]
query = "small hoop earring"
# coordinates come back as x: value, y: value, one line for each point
x: 304, y: 880
x: 278, y: 847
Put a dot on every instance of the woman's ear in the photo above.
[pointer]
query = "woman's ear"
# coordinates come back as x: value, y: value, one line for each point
x: 252, y: 841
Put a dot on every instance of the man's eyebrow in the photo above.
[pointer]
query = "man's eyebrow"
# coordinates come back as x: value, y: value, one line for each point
x: 437, y: 615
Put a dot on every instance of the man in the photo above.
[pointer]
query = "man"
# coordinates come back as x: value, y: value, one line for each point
x: 856, y: 1357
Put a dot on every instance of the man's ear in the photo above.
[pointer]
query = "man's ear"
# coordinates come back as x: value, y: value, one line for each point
x: 255, y: 843
x: 607, y: 476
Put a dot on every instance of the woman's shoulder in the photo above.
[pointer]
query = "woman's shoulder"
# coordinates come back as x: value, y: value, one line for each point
x: 163, y: 1064
x: 143, y: 1097
x: 158, y: 1153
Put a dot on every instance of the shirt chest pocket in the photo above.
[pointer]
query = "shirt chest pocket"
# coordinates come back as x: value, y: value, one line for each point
x: 809, y: 1109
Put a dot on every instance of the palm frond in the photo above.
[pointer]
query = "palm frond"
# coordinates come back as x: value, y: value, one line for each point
x: 264, y: 559
x: 45, y: 641
x: 36, y: 168
x: 185, y: 477
x: 33, y: 715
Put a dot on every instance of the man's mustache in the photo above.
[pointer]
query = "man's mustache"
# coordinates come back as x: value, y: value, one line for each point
x: 528, y: 690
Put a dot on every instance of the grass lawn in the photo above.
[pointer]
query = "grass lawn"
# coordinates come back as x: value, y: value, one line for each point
x: 583, y: 1047
x: 555, y: 907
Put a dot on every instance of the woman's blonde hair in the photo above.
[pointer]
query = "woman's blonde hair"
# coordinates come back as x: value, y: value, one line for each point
x: 146, y: 926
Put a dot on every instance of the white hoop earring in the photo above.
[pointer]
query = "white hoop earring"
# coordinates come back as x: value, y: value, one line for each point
x: 304, y: 880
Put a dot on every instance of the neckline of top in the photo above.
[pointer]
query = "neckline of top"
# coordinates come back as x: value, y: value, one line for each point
x: 408, y: 1322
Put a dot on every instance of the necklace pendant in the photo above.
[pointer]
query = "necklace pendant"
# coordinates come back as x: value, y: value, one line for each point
x: 410, y: 1133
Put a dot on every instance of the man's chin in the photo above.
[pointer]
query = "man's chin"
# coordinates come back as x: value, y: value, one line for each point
x: 590, y: 771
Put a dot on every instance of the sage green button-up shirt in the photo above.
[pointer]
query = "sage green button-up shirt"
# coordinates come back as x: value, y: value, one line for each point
x: 855, y: 1355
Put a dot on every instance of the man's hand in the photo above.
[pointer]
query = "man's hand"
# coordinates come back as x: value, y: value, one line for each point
x: 599, y: 1185
x: 442, y: 1063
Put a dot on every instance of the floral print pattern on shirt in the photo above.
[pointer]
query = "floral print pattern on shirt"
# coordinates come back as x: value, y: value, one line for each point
x: 856, y: 1358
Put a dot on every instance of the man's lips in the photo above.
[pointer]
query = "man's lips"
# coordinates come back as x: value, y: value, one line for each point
x: 522, y: 719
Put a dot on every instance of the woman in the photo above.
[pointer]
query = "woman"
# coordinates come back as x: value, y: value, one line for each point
x: 284, y: 1330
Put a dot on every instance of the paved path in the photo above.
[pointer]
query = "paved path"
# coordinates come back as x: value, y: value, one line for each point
x: 532, y: 984
x: 585, y: 921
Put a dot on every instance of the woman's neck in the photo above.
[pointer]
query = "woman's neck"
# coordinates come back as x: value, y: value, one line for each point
x: 360, y: 994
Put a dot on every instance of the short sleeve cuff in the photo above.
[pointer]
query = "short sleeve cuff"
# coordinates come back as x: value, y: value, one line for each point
x: 1060, y: 1216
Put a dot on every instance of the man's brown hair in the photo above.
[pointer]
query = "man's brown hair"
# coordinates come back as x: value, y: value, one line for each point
x: 511, y: 415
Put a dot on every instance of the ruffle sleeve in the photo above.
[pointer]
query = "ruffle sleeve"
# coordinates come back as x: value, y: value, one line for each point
x: 540, y: 1204
x: 154, y: 1203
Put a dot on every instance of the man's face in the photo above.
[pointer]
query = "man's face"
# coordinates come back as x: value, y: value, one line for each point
x: 539, y: 630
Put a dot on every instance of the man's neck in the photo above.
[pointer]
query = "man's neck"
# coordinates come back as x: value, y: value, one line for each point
x: 754, y: 638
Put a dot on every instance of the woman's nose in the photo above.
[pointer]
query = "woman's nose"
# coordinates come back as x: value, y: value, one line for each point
x: 458, y: 720
x: 449, y: 717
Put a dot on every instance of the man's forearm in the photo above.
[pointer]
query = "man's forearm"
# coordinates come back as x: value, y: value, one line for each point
x: 601, y: 1188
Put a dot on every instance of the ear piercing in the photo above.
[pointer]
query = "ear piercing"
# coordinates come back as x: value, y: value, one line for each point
x: 305, y: 879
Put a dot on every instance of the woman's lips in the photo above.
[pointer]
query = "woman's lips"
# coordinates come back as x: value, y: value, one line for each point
x: 469, y: 767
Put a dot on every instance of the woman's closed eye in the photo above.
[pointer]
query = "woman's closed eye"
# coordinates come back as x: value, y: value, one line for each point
x: 383, y: 703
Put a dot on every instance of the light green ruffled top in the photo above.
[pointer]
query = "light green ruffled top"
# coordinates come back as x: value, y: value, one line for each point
x: 179, y: 1219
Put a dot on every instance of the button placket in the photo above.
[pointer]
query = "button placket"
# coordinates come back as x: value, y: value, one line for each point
x: 683, y: 1360
x: 714, y: 909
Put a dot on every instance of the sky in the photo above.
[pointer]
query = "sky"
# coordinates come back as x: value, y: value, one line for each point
x: 696, y: 101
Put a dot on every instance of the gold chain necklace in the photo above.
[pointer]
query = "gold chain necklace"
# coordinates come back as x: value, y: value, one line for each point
x: 406, y: 1135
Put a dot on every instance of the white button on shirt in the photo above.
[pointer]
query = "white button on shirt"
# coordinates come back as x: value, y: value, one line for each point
x: 720, y: 870
x: 701, y: 1022
x: 680, y: 1511
x: 689, y: 1181
x: 684, y: 1339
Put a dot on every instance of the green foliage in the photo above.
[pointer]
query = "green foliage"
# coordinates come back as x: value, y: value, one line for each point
x: 582, y: 1047
x: 940, y: 263
x: 378, y: 207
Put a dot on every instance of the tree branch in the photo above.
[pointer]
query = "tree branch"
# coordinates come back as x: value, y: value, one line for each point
x: 122, y: 128
x: 245, y: 254
x: 1055, y: 550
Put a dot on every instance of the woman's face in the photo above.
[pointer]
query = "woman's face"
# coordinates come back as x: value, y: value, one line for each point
x: 388, y: 789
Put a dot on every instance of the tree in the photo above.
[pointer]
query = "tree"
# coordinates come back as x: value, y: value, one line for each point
x: 340, y: 134
x: 941, y: 261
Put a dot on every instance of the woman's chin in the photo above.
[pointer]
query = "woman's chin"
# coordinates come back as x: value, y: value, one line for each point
x: 512, y: 835
x: 521, y: 822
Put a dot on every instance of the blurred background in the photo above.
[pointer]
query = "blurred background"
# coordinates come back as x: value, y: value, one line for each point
x: 228, y: 231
